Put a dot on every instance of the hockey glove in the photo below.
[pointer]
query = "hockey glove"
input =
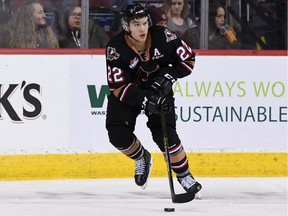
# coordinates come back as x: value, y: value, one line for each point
x: 155, y: 104
x: 162, y: 85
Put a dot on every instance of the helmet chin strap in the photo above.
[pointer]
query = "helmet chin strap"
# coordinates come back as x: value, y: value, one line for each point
x: 133, y: 37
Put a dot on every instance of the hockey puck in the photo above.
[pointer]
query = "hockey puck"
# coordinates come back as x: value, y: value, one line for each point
x: 169, y: 209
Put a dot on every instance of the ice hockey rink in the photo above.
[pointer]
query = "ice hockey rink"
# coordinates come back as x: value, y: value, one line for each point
x: 121, y: 197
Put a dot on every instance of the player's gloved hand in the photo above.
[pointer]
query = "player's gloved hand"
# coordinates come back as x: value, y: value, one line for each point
x: 155, y: 104
x: 162, y: 85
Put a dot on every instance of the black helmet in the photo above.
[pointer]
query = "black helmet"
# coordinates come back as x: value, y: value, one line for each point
x: 133, y: 11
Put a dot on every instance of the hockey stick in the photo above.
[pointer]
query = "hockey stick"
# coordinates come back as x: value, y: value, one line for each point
x: 176, y: 198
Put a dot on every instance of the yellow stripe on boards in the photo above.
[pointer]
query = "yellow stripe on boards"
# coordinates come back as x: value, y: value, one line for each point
x: 116, y: 165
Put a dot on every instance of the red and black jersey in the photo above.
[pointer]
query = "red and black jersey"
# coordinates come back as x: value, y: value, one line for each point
x: 130, y: 72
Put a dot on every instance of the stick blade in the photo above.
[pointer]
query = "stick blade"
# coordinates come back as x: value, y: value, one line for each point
x: 182, y: 198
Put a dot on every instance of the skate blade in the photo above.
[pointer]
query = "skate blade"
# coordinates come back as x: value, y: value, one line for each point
x: 150, y: 169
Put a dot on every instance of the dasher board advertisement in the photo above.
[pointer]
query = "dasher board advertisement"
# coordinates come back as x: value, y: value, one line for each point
x: 57, y: 103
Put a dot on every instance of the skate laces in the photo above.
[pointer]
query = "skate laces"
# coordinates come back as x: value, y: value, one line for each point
x: 140, y: 166
x: 187, y: 181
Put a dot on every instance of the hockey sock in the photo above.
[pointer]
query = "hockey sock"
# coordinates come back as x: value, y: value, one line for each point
x: 135, y: 151
x: 178, y: 160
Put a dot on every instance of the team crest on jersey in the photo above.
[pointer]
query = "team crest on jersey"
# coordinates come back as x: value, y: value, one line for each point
x: 169, y: 35
x: 112, y: 54
x: 133, y: 62
x: 157, y: 54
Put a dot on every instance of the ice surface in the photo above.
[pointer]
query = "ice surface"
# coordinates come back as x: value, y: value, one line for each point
x: 121, y: 197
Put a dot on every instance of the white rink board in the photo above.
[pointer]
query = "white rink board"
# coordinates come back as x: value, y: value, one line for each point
x: 235, y: 82
x: 66, y: 122
x: 50, y: 129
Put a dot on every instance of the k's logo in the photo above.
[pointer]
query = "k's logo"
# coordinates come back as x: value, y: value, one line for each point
x: 28, y: 92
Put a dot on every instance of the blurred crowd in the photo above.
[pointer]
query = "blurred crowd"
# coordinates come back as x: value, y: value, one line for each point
x: 231, y: 24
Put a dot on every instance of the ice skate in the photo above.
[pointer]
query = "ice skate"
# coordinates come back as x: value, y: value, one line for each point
x: 143, y: 168
x: 189, y: 184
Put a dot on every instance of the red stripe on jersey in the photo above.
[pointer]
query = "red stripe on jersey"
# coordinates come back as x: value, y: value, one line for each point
x: 125, y: 91
x: 186, y: 66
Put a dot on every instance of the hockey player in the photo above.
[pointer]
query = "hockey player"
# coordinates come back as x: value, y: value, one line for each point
x: 143, y: 62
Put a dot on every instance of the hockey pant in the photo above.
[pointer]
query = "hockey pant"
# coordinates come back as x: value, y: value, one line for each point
x: 120, y: 123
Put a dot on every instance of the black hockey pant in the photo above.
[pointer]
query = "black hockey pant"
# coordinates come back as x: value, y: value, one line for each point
x: 121, y: 121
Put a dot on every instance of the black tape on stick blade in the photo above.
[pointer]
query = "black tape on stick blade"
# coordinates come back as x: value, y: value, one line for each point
x: 169, y: 209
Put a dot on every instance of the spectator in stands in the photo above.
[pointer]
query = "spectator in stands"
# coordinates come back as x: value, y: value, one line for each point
x: 70, y: 29
x: 157, y: 16
x: 181, y: 22
x: 217, y: 26
x: 28, y: 28
x: 5, y: 11
x: 115, y: 4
